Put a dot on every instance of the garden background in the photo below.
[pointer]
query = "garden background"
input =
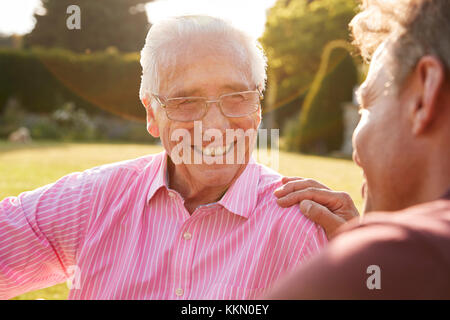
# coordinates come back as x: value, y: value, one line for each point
x: 76, y: 93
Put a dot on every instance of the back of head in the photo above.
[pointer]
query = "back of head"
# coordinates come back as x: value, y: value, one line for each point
x: 171, y: 41
x: 416, y: 27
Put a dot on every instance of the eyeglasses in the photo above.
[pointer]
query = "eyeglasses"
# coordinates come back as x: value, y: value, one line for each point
x: 232, y: 105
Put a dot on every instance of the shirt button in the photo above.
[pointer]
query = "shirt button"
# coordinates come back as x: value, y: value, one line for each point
x: 187, y: 236
x: 172, y: 195
x: 179, y: 292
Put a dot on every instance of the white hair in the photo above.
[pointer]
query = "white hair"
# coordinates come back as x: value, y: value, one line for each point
x: 169, y: 38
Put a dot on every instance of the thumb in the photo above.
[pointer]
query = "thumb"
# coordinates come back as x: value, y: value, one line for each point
x: 322, y: 216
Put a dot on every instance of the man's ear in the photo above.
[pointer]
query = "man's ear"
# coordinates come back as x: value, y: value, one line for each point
x: 152, y: 125
x: 429, y: 79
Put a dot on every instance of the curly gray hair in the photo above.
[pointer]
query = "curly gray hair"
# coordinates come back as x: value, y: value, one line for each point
x: 415, y: 27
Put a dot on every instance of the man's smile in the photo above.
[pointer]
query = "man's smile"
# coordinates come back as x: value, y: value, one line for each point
x: 214, y: 151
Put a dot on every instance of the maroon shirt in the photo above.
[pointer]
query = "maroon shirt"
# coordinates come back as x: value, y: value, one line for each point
x: 410, y: 250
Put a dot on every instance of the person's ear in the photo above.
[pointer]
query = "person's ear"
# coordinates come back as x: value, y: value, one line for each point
x: 259, y: 110
x: 430, y: 77
x: 152, y: 125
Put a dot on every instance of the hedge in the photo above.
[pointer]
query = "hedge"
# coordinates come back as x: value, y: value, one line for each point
x: 42, y: 80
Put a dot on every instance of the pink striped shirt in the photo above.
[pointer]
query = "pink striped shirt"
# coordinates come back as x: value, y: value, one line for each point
x: 119, y: 232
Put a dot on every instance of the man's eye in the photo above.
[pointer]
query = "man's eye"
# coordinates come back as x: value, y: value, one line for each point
x: 188, y: 102
x: 179, y: 102
x: 237, y: 97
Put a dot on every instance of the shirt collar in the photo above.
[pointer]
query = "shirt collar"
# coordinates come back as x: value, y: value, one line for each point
x: 241, y: 198
x: 160, y: 178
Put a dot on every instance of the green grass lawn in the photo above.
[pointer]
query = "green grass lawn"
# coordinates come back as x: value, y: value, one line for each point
x: 27, y: 167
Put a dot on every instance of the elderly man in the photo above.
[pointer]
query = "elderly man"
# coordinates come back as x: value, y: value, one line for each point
x: 402, y: 145
x: 167, y: 226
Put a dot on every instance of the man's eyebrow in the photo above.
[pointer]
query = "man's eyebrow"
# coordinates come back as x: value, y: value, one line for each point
x: 364, y: 94
x: 185, y: 93
x: 237, y: 86
x: 232, y: 87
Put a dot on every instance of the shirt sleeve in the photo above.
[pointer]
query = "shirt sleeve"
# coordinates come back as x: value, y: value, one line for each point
x: 41, y: 232
x: 312, y: 239
x: 317, y: 239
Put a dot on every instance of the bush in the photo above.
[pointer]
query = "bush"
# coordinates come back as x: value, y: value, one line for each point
x: 42, y: 127
x: 74, y: 123
x: 11, y: 118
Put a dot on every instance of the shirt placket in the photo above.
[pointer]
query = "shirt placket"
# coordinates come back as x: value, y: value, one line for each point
x: 184, y: 256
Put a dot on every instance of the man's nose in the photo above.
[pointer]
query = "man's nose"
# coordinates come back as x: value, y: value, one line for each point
x: 214, y: 118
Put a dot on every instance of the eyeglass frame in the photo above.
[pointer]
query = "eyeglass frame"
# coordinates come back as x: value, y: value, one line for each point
x: 205, y: 107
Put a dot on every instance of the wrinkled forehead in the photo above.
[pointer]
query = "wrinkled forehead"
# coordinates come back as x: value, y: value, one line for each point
x: 205, y: 52
x: 382, y: 57
x: 380, y: 68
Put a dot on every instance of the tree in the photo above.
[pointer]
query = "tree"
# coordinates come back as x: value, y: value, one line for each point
x: 296, y: 33
x: 122, y: 24
x: 320, y: 127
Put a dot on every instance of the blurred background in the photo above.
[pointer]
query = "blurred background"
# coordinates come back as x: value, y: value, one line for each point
x: 69, y: 98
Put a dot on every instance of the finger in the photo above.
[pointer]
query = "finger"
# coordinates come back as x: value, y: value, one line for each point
x: 297, y: 185
x: 333, y: 200
x: 283, y: 190
x: 285, y: 180
x: 322, y: 216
